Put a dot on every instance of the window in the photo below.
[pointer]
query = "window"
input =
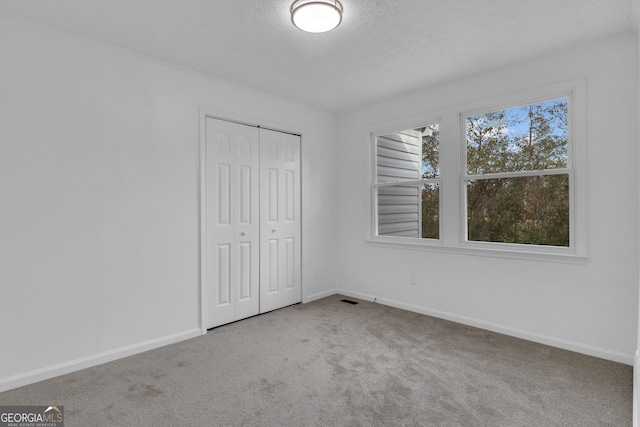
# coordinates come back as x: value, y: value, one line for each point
x: 502, y: 179
x: 407, y: 185
x: 517, y: 178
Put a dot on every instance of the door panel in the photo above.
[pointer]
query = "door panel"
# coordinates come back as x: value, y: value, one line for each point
x: 272, y: 196
x: 244, y: 195
x: 289, y: 195
x: 247, y: 158
x: 271, y: 263
x: 232, y: 224
x: 290, y: 268
x: 224, y: 194
x: 280, y: 220
x: 244, y: 271
x: 224, y: 275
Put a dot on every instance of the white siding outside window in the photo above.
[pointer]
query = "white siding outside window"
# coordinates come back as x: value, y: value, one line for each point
x: 399, y: 159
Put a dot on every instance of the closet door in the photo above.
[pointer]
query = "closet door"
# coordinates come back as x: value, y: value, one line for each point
x: 232, y: 223
x: 280, y: 249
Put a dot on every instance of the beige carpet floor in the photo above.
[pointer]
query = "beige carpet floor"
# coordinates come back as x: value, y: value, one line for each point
x: 329, y: 363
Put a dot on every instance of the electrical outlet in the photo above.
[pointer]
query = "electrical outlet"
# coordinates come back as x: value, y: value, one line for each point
x: 413, y: 280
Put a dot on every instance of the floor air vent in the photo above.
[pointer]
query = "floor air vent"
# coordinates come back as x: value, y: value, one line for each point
x: 348, y: 301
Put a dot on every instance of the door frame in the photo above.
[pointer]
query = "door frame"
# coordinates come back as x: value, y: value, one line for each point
x: 249, y: 121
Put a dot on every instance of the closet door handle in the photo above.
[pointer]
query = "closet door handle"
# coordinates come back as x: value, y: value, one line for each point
x: 274, y: 230
x: 243, y: 233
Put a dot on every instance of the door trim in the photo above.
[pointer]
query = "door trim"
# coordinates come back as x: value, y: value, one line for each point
x: 249, y: 121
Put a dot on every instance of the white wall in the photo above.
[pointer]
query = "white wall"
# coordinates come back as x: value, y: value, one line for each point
x: 592, y: 307
x: 99, y: 199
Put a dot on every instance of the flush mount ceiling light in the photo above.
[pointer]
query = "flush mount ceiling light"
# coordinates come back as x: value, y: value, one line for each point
x: 316, y: 16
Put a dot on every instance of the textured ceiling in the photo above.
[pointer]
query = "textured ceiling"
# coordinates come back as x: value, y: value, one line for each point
x: 382, y: 48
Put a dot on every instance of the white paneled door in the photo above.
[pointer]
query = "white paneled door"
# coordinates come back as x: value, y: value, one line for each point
x: 233, y: 223
x: 252, y: 222
x: 280, y: 255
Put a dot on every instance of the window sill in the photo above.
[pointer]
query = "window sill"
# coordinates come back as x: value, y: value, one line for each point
x: 533, y: 253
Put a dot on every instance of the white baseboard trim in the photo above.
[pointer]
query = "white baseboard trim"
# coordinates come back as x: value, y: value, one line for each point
x: 320, y: 295
x: 89, y: 361
x: 625, y: 358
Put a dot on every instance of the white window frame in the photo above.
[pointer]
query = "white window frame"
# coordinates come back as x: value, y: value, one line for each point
x: 453, y: 177
x: 376, y: 185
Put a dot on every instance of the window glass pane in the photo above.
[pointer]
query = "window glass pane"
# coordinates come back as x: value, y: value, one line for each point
x: 430, y: 211
x: 410, y: 154
x: 532, y: 137
x: 398, y: 156
x: 409, y: 211
x: 430, y: 152
x: 528, y: 210
x: 399, y: 210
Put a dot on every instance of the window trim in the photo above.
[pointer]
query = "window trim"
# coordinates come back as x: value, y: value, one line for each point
x: 455, y: 141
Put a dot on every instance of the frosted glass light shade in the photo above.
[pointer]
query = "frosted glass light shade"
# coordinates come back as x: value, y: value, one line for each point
x: 316, y: 16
